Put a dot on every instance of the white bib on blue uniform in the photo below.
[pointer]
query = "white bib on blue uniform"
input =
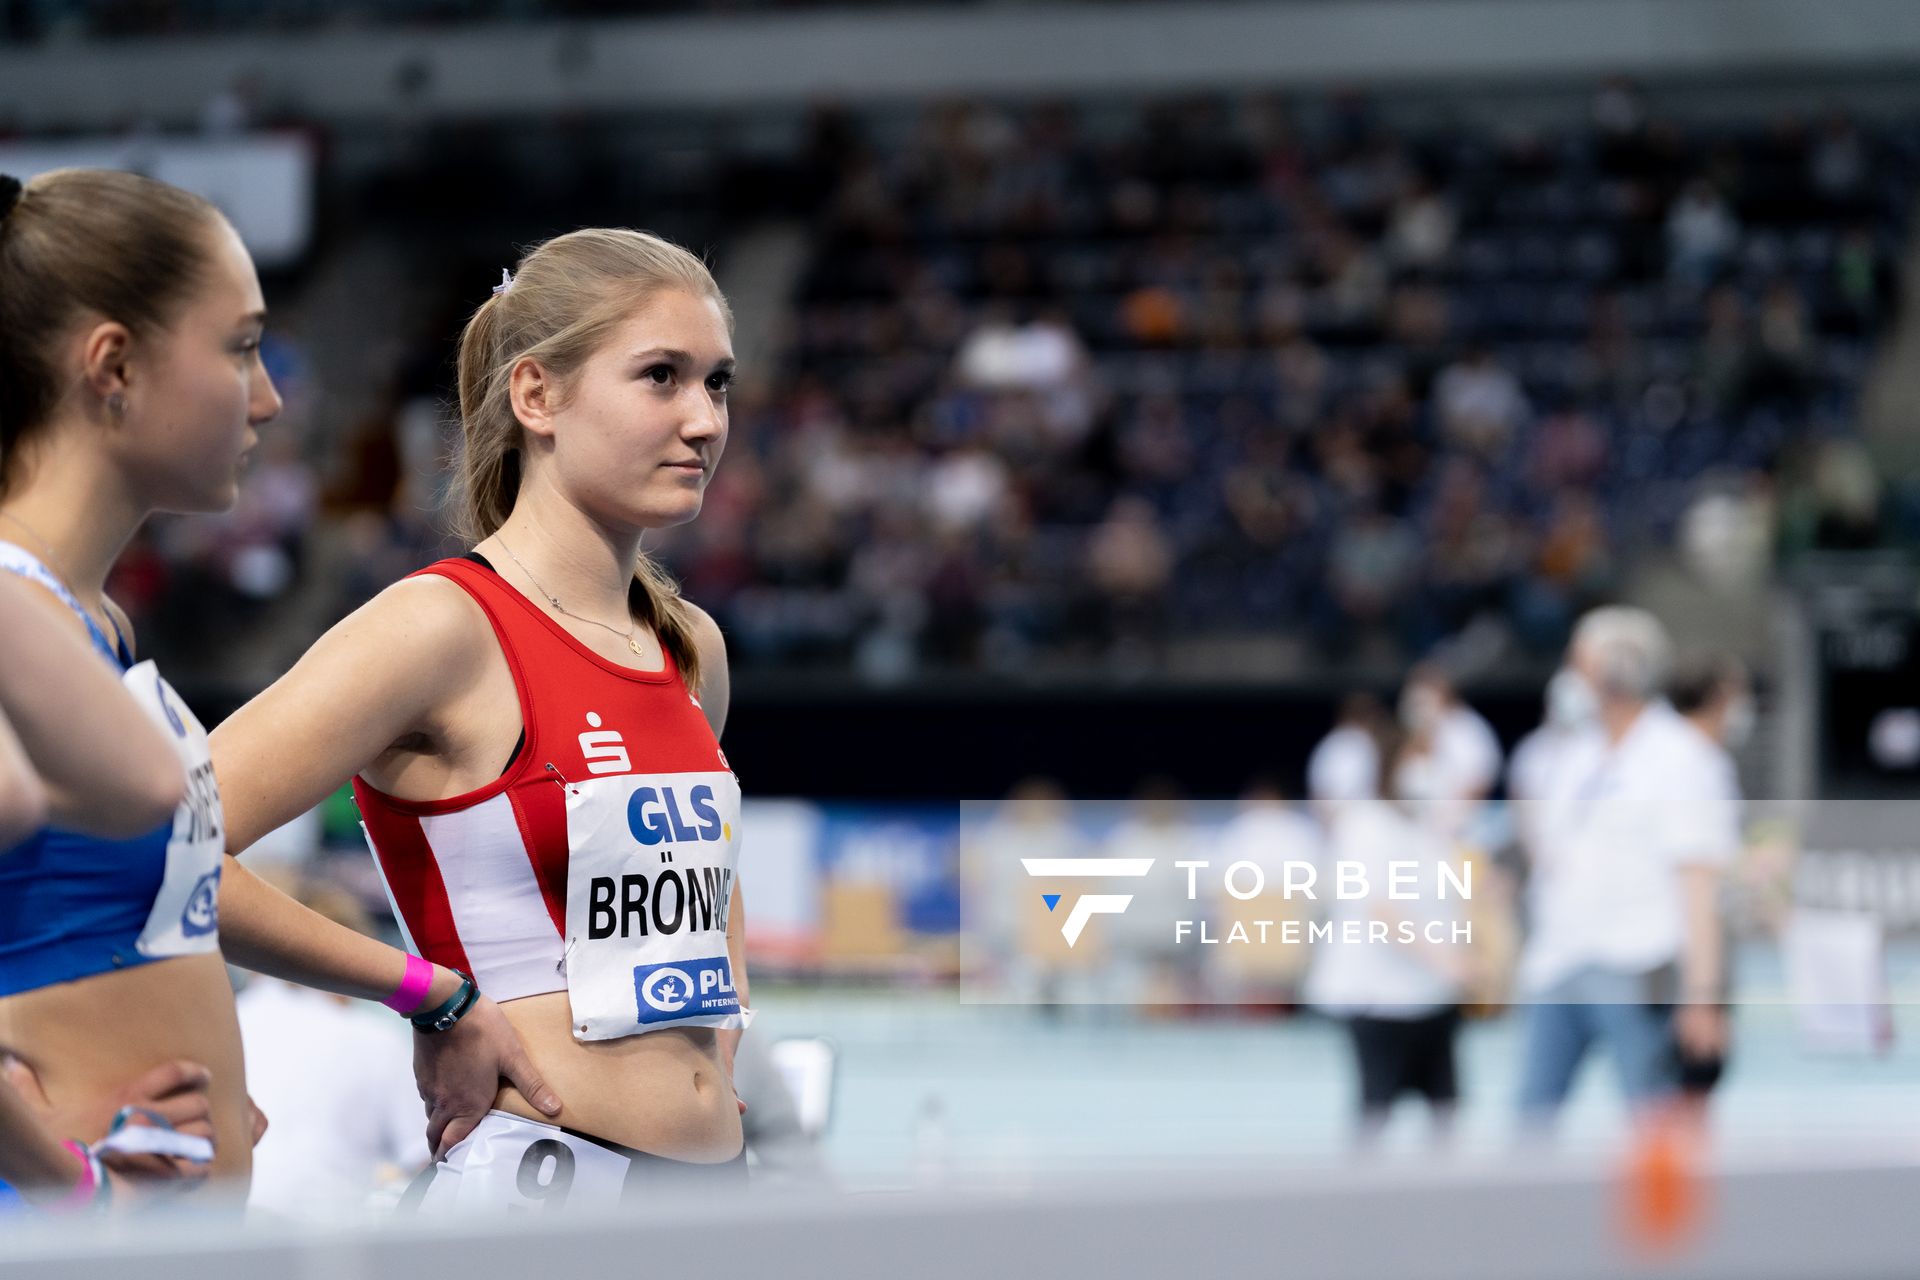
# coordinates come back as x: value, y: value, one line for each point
x: 185, y: 916
x: 185, y: 919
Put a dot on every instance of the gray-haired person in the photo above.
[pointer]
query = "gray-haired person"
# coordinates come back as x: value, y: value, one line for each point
x: 1634, y: 831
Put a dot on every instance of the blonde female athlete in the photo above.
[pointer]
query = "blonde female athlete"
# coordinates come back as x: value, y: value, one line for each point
x: 532, y: 731
x: 130, y: 382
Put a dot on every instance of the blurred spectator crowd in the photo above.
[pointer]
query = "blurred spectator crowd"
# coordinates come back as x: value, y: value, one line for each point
x: 1070, y: 387
x: 1070, y: 383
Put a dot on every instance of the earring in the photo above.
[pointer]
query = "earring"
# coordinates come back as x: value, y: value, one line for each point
x: 117, y: 406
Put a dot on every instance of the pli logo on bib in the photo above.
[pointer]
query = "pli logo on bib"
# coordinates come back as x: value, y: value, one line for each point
x: 202, y: 914
x: 685, y: 989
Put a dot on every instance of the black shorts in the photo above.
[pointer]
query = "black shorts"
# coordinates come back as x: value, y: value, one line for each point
x: 1405, y: 1055
x: 1698, y: 1076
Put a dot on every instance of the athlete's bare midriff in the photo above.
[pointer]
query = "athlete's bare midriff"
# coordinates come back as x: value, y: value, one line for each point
x: 88, y: 1039
x: 661, y: 1092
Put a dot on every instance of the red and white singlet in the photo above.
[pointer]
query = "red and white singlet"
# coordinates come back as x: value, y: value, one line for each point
x: 601, y: 863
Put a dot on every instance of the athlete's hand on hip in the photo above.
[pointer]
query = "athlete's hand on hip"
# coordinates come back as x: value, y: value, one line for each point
x: 459, y: 1072
x: 171, y: 1094
x: 174, y: 1093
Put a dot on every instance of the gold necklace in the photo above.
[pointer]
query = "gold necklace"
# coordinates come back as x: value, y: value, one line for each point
x: 52, y: 561
x: 630, y: 635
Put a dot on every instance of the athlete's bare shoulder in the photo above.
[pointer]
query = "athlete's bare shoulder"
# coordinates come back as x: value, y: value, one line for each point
x: 35, y: 594
x: 715, y: 684
x: 706, y: 633
x: 426, y: 622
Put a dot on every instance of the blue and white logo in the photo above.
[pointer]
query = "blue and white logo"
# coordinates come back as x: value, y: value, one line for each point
x: 1087, y: 905
x: 174, y: 721
x: 685, y: 989
x: 202, y: 915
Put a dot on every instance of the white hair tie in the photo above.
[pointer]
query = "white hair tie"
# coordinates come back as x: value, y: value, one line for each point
x: 506, y: 282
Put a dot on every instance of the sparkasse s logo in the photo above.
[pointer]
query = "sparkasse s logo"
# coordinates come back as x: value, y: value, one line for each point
x: 603, y: 751
x: 1088, y: 905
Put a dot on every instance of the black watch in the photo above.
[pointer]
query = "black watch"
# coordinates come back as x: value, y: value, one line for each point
x: 452, y: 1010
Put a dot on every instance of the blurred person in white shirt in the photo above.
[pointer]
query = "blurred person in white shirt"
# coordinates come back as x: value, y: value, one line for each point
x: 337, y: 1078
x: 1153, y: 965
x: 1037, y: 820
x: 1634, y: 834
x: 1345, y: 765
x: 1452, y: 742
x: 1714, y: 693
x: 1571, y: 708
x: 1270, y: 834
x: 1399, y: 1000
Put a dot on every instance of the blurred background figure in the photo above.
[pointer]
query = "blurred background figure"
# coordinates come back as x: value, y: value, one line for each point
x: 1570, y: 706
x: 1266, y: 832
x: 1037, y: 820
x: 335, y: 1077
x: 1400, y: 1004
x: 1625, y: 953
x: 1714, y: 693
x: 1345, y: 765
x: 1155, y: 825
x: 1449, y: 756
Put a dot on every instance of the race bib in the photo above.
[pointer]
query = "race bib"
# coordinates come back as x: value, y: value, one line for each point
x: 650, y: 868
x: 185, y: 919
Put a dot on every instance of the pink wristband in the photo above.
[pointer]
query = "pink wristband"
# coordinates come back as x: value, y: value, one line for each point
x: 85, y: 1189
x: 413, y: 988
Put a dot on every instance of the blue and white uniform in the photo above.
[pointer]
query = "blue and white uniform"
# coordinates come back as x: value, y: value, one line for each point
x: 74, y: 905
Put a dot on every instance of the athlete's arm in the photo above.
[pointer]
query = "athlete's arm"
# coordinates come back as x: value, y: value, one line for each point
x: 379, y: 676
x: 363, y: 686
x: 106, y: 768
x: 23, y: 799
x: 715, y: 693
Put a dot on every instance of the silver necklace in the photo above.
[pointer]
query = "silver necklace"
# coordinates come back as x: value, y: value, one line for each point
x: 52, y: 561
x: 630, y: 635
